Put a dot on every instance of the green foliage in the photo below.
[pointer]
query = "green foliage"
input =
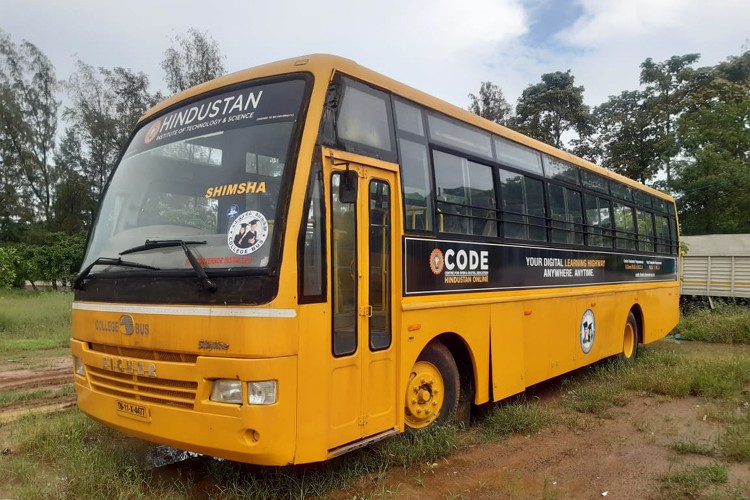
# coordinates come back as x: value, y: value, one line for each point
x: 9, y: 260
x: 667, y: 84
x: 193, y: 59
x: 664, y: 373
x: 626, y: 140
x: 714, y: 176
x: 28, y: 124
x: 548, y: 109
x: 73, y: 457
x: 491, y: 104
x: 727, y: 324
x: 734, y: 442
x: 691, y: 482
x: 31, y: 321
x: 106, y: 105
x: 518, y: 417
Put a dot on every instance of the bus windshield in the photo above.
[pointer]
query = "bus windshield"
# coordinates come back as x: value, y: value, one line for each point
x: 208, y: 171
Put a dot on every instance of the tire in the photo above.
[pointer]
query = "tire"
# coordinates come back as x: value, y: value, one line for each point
x: 433, y: 389
x: 630, y: 338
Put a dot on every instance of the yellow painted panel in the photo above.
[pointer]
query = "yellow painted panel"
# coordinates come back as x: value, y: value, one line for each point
x: 508, y: 371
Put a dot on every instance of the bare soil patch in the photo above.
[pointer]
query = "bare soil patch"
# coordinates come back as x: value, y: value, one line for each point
x: 621, y: 457
x: 53, y: 374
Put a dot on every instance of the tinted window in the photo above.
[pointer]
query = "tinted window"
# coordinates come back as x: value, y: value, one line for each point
x: 642, y: 198
x: 516, y: 155
x: 409, y: 118
x: 363, y: 118
x: 458, y: 135
x: 625, y: 226
x: 464, y: 193
x: 598, y: 221
x: 595, y: 182
x: 560, y: 170
x: 662, y: 234
x: 523, y: 207
x: 621, y: 191
x: 645, y: 230
x: 566, y: 215
x: 415, y: 174
x: 312, y: 243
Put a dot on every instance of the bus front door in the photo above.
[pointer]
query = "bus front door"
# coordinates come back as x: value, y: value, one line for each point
x: 362, y: 384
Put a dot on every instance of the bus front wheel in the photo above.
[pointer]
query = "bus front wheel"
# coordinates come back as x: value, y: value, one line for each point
x: 630, y: 339
x: 432, y: 392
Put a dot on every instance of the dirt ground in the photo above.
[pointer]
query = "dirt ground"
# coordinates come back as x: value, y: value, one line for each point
x: 621, y: 457
x: 613, y: 458
x: 17, y: 377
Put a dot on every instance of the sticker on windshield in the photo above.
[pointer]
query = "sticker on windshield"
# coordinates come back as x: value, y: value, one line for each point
x: 247, y: 233
x: 232, y: 211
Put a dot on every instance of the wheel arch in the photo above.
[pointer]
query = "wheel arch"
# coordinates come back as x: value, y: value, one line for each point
x: 638, y: 313
x: 463, y: 356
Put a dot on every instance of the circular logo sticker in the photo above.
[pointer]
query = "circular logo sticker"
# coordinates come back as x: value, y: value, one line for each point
x: 232, y: 211
x: 153, y: 131
x: 588, y: 331
x: 436, y: 262
x: 247, y: 233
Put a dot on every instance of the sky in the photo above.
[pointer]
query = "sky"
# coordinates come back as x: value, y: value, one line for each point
x: 443, y: 47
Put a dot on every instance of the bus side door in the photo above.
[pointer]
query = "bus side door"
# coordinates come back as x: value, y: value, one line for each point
x: 362, y: 384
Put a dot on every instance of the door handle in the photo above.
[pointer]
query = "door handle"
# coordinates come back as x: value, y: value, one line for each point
x: 366, y: 311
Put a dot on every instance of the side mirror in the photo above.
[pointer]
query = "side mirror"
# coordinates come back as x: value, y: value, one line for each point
x: 348, y: 187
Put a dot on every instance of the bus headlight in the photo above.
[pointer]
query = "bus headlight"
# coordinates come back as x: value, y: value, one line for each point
x: 78, y: 366
x: 261, y: 393
x: 227, y: 391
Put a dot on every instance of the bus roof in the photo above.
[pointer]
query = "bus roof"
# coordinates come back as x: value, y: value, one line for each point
x: 324, y: 66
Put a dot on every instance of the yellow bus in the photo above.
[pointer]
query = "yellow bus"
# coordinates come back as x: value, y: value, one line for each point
x: 299, y: 259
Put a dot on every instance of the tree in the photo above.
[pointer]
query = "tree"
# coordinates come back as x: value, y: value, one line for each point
x: 553, y: 107
x: 106, y: 105
x: 713, y: 173
x: 28, y: 124
x: 626, y: 141
x: 491, y: 104
x: 666, y: 89
x: 192, y: 60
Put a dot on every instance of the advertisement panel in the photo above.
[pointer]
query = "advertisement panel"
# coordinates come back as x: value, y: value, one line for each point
x: 443, y: 266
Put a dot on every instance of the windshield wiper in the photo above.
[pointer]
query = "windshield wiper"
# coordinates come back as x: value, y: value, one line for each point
x: 102, y: 261
x: 151, y: 244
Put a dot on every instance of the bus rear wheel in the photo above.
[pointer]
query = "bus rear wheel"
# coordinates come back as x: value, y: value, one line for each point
x: 432, y: 392
x: 630, y: 340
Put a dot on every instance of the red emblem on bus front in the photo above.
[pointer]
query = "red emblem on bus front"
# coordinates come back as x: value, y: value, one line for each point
x: 436, y: 262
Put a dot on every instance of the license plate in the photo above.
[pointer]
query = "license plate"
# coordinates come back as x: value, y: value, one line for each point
x: 132, y: 410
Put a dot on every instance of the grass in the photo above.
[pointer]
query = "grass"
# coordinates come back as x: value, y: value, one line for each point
x: 34, y: 321
x: 693, y: 448
x: 727, y: 324
x: 670, y: 374
x: 691, y: 482
x: 8, y: 398
x: 516, y: 417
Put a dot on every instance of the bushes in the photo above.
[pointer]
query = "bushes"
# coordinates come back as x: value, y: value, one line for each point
x: 728, y: 324
x: 51, y: 257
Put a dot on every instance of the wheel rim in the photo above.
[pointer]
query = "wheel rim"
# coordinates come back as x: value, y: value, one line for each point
x: 424, y: 395
x: 628, y: 345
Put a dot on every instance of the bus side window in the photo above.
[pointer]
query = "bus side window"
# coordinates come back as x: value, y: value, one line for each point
x: 415, y: 171
x: 565, y: 212
x: 312, y: 244
x: 625, y: 226
x: 523, y: 207
x: 645, y: 230
x: 598, y: 221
